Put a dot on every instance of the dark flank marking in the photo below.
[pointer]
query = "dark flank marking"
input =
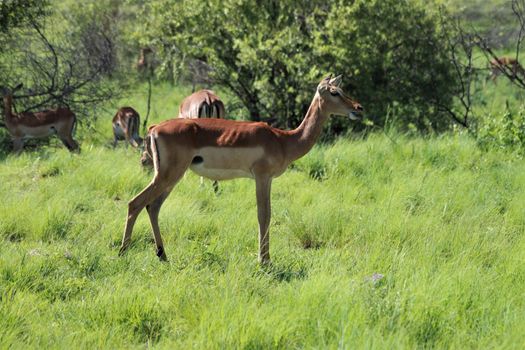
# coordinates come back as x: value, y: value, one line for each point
x: 197, y: 160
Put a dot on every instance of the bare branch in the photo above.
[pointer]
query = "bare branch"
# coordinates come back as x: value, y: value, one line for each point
x: 51, y: 49
x: 460, y: 50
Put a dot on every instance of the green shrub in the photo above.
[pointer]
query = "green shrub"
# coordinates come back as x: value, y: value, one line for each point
x: 506, y: 131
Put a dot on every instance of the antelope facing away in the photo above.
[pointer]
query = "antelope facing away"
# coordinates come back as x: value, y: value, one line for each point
x: 126, y: 125
x: 26, y: 125
x: 222, y: 149
x: 202, y: 104
x: 505, y: 64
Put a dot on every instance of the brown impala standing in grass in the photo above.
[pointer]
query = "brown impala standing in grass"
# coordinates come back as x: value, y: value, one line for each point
x: 222, y: 149
x: 126, y: 125
x: 60, y: 121
x: 501, y: 64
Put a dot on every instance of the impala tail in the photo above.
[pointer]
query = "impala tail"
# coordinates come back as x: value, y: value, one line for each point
x: 154, y: 152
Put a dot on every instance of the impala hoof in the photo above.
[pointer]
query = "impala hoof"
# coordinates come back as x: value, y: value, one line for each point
x: 122, y: 250
x: 161, y: 254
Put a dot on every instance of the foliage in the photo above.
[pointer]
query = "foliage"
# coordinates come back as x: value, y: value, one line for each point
x: 396, y: 56
x: 18, y: 13
x: 506, y: 131
x: 272, y: 54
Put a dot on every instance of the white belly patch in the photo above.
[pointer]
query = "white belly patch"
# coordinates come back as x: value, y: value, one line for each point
x: 224, y: 163
x: 37, y: 132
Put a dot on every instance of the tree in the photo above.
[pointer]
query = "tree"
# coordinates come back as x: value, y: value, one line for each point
x: 396, y: 56
x: 60, y: 64
x: 271, y: 54
x: 17, y: 13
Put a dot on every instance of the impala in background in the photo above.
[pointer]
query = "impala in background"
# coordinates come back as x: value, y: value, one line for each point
x: 27, y: 125
x: 126, y: 125
x: 500, y: 65
x: 202, y: 104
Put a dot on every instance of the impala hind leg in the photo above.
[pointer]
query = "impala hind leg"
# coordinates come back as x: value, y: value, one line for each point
x: 135, y: 206
x: 159, y: 186
x: 153, y: 211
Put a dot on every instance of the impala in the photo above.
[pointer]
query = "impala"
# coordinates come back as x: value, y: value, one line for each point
x: 126, y: 125
x: 26, y: 125
x: 222, y: 149
x: 500, y: 64
x: 202, y: 104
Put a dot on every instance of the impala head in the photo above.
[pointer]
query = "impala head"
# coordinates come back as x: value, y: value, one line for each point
x: 335, y: 101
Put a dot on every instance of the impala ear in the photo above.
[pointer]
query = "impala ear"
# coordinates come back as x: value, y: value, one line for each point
x: 323, y: 85
x: 337, y: 80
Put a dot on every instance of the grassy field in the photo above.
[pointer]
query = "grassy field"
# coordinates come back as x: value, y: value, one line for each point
x: 388, y: 241
x: 437, y: 218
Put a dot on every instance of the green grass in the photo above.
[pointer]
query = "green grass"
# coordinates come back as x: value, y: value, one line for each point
x: 440, y: 219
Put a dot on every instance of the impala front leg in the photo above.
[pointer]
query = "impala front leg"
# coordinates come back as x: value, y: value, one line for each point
x: 263, y: 190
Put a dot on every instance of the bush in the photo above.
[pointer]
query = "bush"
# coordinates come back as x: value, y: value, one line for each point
x: 505, y: 132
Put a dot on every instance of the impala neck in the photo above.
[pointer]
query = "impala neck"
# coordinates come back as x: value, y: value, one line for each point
x: 303, y: 138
